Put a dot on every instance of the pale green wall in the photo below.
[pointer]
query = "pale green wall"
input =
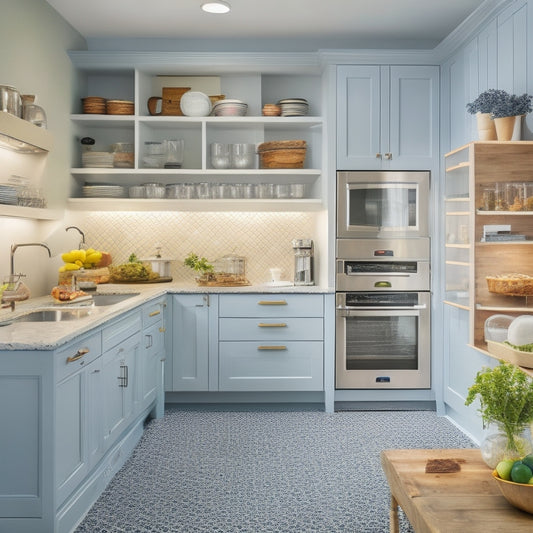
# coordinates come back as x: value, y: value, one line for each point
x: 34, y: 40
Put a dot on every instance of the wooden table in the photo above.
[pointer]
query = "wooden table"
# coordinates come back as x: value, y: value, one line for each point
x: 469, y: 500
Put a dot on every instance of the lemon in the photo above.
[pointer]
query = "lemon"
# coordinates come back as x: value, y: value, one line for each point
x: 521, y: 473
x: 504, y: 468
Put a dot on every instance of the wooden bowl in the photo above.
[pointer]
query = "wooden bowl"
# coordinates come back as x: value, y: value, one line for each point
x: 519, y: 495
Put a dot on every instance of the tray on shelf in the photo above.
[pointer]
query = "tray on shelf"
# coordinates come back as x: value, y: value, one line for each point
x: 506, y: 352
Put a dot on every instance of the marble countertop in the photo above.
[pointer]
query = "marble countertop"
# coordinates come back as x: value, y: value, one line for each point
x: 51, y: 335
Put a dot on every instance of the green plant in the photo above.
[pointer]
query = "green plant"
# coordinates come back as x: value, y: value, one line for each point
x: 198, y: 264
x: 506, y: 398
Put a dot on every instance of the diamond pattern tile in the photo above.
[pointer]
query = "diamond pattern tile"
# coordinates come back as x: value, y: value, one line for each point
x: 263, y: 238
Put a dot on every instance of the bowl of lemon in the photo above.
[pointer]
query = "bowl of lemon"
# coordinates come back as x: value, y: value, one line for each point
x: 515, y: 479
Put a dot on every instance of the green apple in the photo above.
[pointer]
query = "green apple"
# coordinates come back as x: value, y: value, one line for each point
x: 504, y: 468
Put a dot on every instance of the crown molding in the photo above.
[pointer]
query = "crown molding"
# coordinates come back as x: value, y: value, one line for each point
x: 468, y: 28
x: 196, y: 62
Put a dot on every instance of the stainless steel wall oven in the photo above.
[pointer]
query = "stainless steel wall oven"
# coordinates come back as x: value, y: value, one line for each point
x: 383, y: 299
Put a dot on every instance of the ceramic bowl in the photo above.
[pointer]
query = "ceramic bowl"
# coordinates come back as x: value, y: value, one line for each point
x: 519, y: 495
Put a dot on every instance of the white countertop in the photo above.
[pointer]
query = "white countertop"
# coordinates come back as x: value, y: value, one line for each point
x: 50, y: 335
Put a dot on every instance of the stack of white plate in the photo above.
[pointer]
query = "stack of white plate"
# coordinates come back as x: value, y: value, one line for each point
x: 230, y: 108
x: 91, y: 159
x: 104, y: 191
x: 293, y: 107
x: 8, y: 195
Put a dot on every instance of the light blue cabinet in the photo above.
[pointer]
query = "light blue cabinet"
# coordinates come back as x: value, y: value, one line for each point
x: 271, y: 342
x: 77, y: 442
x: 190, y: 341
x: 387, y: 117
x: 151, y: 378
x: 121, y: 362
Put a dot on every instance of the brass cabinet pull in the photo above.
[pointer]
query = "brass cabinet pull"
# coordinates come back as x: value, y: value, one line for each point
x: 162, y: 330
x: 79, y: 354
x: 281, y: 347
x: 388, y: 155
x: 272, y: 302
x: 273, y: 325
x: 378, y: 155
x: 155, y: 313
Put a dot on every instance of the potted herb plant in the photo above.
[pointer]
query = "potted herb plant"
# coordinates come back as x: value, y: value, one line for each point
x: 200, y: 265
x: 506, y: 400
x: 482, y: 107
x: 507, y: 115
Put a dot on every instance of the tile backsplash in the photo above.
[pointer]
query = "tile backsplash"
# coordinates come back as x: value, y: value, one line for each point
x: 264, y: 239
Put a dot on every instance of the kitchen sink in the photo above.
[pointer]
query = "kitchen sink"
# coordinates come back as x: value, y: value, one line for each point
x: 110, y: 299
x: 48, y: 315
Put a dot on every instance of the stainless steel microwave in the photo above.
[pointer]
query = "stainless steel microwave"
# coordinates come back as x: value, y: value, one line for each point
x: 382, y: 204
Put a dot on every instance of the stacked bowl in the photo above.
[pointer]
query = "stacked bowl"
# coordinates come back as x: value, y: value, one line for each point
x: 293, y: 107
x: 230, y: 108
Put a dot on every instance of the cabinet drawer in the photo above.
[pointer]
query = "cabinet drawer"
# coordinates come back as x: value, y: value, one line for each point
x: 152, y: 312
x: 290, y: 366
x: 252, y: 329
x: 77, y: 354
x: 271, y: 305
x: 121, y: 330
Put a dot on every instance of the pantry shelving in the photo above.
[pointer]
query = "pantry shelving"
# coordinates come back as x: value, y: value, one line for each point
x: 140, y: 82
x: 472, y: 172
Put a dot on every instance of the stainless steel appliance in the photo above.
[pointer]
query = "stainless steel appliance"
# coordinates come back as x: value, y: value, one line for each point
x: 383, y: 314
x: 382, y: 282
x: 303, y: 261
x: 383, y: 340
x: 382, y: 264
x: 382, y: 204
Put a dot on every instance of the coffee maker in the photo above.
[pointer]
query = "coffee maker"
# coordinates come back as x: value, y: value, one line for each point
x: 303, y: 261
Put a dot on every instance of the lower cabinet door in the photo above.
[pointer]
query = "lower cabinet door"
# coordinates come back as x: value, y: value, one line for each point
x: 152, y: 349
x: 271, y: 366
x: 119, y: 369
x: 190, y: 340
x: 77, y: 441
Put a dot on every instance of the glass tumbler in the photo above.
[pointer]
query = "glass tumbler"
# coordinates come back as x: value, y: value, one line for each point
x: 242, y: 155
x: 220, y: 155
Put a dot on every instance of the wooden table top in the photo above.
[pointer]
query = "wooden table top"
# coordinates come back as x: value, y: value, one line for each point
x: 469, y: 500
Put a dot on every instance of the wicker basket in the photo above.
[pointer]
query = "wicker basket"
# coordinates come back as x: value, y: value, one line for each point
x: 282, y: 154
x: 119, y: 107
x: 511, y: 284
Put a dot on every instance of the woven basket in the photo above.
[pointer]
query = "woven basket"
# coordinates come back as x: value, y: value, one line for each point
x: 282, y: 154
x: 119, y: 107
x: 511, y: 284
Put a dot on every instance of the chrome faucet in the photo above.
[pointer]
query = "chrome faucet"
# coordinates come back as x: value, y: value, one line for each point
x: 20, y: 292
x: 82, y: 242
x: 15, y: 246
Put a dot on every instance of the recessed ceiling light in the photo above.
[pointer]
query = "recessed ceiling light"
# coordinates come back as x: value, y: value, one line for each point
x: 216, y: 7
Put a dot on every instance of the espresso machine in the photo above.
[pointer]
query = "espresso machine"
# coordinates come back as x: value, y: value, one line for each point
x: 303, y: 261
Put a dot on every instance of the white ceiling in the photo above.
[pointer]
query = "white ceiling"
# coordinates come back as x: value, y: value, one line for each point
x: 324, y: 22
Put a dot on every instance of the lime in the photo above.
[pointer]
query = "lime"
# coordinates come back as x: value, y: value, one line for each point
x: 530, y: 482
x: 521, y: 473
x: 528, y: 460
x: 504, y: 468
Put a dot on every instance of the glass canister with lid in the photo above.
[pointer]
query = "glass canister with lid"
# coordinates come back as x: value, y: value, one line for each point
x: 230, y: 270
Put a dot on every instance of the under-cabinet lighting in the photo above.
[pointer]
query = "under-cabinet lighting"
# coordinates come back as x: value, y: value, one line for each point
x: 10, y: 143
x: 216, y: 7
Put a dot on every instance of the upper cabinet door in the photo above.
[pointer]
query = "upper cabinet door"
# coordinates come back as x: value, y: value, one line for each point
x: 414, y: 122
x: 387, y: 117
x: 358, y: 117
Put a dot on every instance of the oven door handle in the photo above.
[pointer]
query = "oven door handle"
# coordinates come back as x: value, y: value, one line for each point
x: 351, y: 311
x: 378, y: 274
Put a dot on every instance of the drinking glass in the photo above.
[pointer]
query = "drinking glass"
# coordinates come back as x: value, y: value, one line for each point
x: 220, y: 155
